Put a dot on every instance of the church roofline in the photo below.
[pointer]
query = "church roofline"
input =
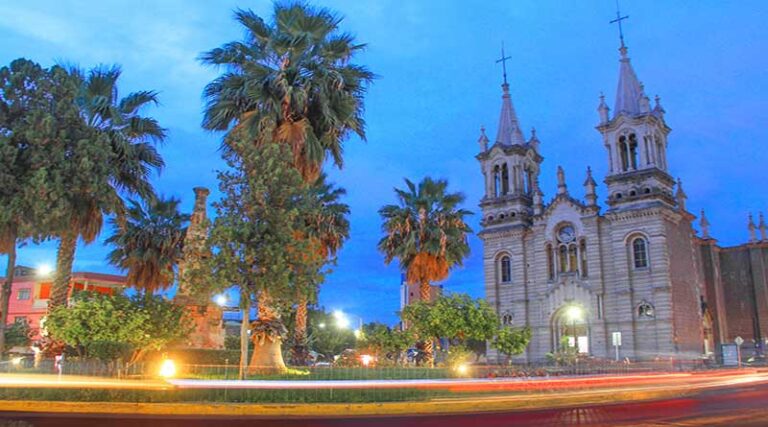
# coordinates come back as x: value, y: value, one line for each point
x: 521, y: 150
x: 634, y: 119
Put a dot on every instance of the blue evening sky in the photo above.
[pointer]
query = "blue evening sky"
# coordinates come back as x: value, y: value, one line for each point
x: 438, y: 85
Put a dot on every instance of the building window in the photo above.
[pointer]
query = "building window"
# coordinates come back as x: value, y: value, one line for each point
x: 506, y: 269
x: 583, y: 257
x: 23, y: 294
x: 506, y: 319
x: 496, y: 181
x: 568, y: 250
x: 640, y: 252
x: 504, y: 179
x: 645, y: 309
x: 550, y: 262
x: 572, y: 257
x: 20, y: 319
x: 563, y: 258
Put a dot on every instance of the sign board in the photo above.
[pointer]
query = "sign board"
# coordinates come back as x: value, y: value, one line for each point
x: 616, y: 338
x: 739, y: 341
x: 730, y: 354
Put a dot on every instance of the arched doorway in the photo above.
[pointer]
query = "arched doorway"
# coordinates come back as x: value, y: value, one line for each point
x: 570, y: 328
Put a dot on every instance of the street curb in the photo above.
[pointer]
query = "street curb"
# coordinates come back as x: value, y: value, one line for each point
x: 445, y: 407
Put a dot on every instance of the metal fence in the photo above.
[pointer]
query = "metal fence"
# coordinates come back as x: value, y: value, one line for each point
x: 72, y: 366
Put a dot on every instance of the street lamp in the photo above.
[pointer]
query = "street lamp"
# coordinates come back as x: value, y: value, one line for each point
x: 220, y: 300
x: 342, y: 321
x: 575, y: 313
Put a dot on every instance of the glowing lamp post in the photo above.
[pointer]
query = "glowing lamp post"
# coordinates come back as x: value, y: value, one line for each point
x: 167, y: 369
x: 220, y: 300
x: 575, y: 313
x: 343, y: 322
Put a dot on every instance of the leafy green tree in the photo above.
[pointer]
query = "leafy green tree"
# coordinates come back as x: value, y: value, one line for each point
x: 511, y: 341
x: 110, y: 327
x: 456, y: 317
x: 148, y: 242
x: 290, y: 81
x: 326, y: 337
x: 36, y: 115
x: 17, y: 335
x: 253, y: 246
x: 117, y: 158
x: 387, y: 344
x: 426, y: 231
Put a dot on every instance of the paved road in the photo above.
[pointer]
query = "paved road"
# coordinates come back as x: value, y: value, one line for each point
x: 736, y: 406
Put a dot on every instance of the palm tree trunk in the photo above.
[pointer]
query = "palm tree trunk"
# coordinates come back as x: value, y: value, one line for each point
x: 300, y: 350
x: 64, y: 259
x: 300, y: 333
x: 425, y: 294
x: 5, y: 294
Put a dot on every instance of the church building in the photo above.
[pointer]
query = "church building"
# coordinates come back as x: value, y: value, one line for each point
x: 633, y: 272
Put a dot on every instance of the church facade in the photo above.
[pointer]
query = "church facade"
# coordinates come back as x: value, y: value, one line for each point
x: 633, y: 272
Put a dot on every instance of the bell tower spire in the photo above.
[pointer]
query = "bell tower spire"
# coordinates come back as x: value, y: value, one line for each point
x: 511, y: 167
x: 635, y: 138
x: 509, y: 132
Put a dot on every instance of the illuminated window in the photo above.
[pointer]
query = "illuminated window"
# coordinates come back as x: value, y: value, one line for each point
x: 550, y: 262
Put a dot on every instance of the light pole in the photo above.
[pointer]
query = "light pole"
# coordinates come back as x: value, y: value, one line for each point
x: 575, y: 313
x: 343, y: 322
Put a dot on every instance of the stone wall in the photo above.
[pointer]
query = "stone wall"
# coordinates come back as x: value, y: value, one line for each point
x: 685, y: 283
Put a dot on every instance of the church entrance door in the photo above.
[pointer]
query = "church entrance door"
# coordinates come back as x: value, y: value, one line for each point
x: 571, y: 329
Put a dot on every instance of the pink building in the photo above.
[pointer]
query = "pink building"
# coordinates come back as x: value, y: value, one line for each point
x: 30, y: 292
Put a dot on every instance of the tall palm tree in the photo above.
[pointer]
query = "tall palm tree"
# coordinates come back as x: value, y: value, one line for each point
x: 426, y: 231
x: 291, y: 82
x: 327, y: 227
x: 117, y: 159
x: 148, y: 243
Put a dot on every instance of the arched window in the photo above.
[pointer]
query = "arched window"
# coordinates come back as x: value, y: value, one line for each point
x: 563, y: 258
x: 583, y: 257
x: 624, y: 153
x: 567, y: 249
x: 645, y: 309
x: 506, y: 319
x: 660, y: 161
x: 505, y: 269
x: 496, y: 180
x: 504, y: 179
x: 572, y: 258
x: 633, y: 151
x: 646, y: 150
x: 550, y: 262
x: 640, y: 252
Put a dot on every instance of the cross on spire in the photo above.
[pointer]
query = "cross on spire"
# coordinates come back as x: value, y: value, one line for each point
x: 503, y: 61
x: 618, y: 20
